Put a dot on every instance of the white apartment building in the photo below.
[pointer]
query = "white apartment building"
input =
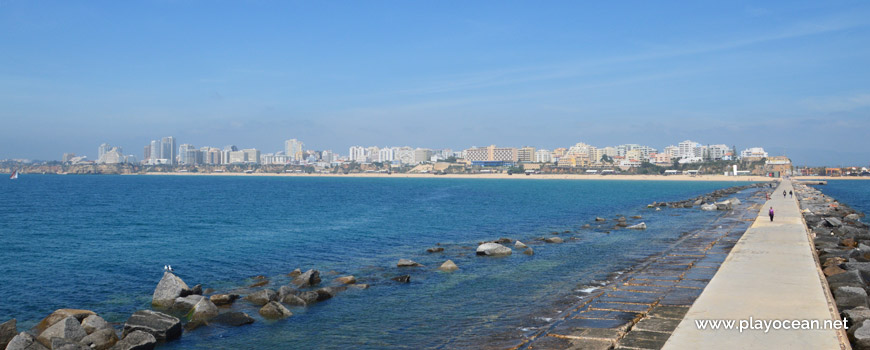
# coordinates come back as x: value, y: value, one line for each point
x: 543, y: 156
x: 754, y: 152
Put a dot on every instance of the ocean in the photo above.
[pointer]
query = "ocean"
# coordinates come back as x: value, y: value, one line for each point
x: 100, y: 243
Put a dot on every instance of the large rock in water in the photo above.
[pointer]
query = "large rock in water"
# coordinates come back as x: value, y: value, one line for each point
x: 185, y: 304
x: 8, y: 330
x: 640, y: 226
x: 493, y: 249
x: 101, y: 339
x: 307, y: 279
x: 24, y: 341
x: 553, y: 240
x: 68, y: 328
x: 262, y: 297
x: 709, y: 207
x: 94, y: 323
x: 61, y: 314
x: 233, y: 319
x: 162, y: 326
x: 204, y: 310
x: 223, y: 299
x: 448, y: 265
x: 169, y: 288
x: 136, y: 340
x: 407, y: 263
x: 274, y: 310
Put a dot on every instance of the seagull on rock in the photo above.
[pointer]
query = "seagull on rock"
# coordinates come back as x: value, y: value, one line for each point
x: 170, y: 268
x: 165, y: 268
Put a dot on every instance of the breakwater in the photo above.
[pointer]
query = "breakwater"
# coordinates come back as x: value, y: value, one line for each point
x: 842, y: 243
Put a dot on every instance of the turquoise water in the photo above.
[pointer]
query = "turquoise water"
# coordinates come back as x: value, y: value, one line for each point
x: 100, y: 243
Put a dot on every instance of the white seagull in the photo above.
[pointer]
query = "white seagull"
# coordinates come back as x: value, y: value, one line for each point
x: 170, y: 268
x: 165, y: 268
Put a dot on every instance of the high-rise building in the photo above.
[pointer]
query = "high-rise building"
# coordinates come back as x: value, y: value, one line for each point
x: 543, y: 156
x: 102, y: 150
x: 252, y: 155
x: 422, y: 155
x: 189, y: 155
x: 405, y: 155
x: 687, y: 149
x: 357, y: 154
x: 294, y: 149
x: 167, y: 149
x: 385, y: 155
x: 526, y: 154
x: 492, y: 153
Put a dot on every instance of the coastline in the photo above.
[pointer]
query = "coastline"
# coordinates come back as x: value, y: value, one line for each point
x: 498, y: 176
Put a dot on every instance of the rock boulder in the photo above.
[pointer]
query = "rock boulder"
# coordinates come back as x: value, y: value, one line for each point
x: 850, y: 297
x: 408, y: 263
x: 274, y: 310
x: 68, y: 328
x: 448, y: 266
x: 24, y: 341
x: 223, y: 299
x: 204, y: 310
x: 94, y: 323
x: 61, y: 314
x: 307, y: 279
x: 553, y: 240
x: 346, y: 280
x: 233, y: 319
x: 493, y: 249
x: 168, y: 289
x: 101, y: 339
x: 162, y: 326
x: 8, y: 330
x: 262, y: 297
x: 136, y: 340
x: 640, y: 226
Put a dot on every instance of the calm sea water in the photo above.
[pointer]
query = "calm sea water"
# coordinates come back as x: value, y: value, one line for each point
x: 100, y: 243
x: 855, y: 193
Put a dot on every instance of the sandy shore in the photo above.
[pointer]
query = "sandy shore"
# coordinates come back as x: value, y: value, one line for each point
x: 504, y: 176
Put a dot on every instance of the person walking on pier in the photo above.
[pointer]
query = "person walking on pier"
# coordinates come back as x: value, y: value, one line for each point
x: 790, y: 194
x: 783, y: 193
x: 771, y: 214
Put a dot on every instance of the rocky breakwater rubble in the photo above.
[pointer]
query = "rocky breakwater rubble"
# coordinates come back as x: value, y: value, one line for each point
x: 842, y: 242
x: 712, y: 201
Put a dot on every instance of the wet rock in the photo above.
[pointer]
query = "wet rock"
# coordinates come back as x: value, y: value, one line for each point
x: 833, y: 222
x: 61, y: 314
x: 24, y: 341
x: 233, y: 319
x: 359, y: 286
x: 709, y: 207
x: 262, y: 297
x: 407, y: 263
x: 600, y: 219
x: 621, y: 219
x: 435, y: 250
x: 259, y: 284
x: 726, y: 205
x: 553, y: 240
x: 862, y: 267
x: 101, y: 339
x: 307, y: 298
x: 168, y: 289
x: 640, y: 226
x: 493, y: 249
x: 850, y: 297
x: 68, y: 328
x: 94, y: 323
x: 520, y: 245
x: 852, y: 217
x: 307, y: 279
x: 448, y: 265
x: 284, y: 291
x: 402, y: 279
x: 274, y: 310
x: 295, y: 273
x: 162, y: 326
x: 184, y: 304
x: 637, y: 217
x: 137, y: 340
x: 8, y: 330
x: 502, y: 240
x: 529, y: 251
x: 204, y: 310
x: 327, y: 293
x: 587, y: 226
x: 223, y: 299
x: 296, y: 300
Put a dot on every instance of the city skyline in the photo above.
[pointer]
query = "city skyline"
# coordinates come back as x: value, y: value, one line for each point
x: 790, y: 76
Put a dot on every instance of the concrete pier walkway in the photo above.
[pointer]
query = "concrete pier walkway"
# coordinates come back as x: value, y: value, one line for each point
x: 771, y: 274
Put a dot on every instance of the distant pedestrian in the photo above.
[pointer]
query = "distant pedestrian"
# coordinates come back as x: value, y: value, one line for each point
x: 771, y: 214
x: 790, y: 194
x: 783, y: 193
x: 768, y: 195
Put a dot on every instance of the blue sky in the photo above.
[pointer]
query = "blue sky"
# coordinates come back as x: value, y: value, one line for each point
x: 789, y: 76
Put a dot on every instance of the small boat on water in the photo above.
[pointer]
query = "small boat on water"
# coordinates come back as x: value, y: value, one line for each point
x: 14, y: 175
